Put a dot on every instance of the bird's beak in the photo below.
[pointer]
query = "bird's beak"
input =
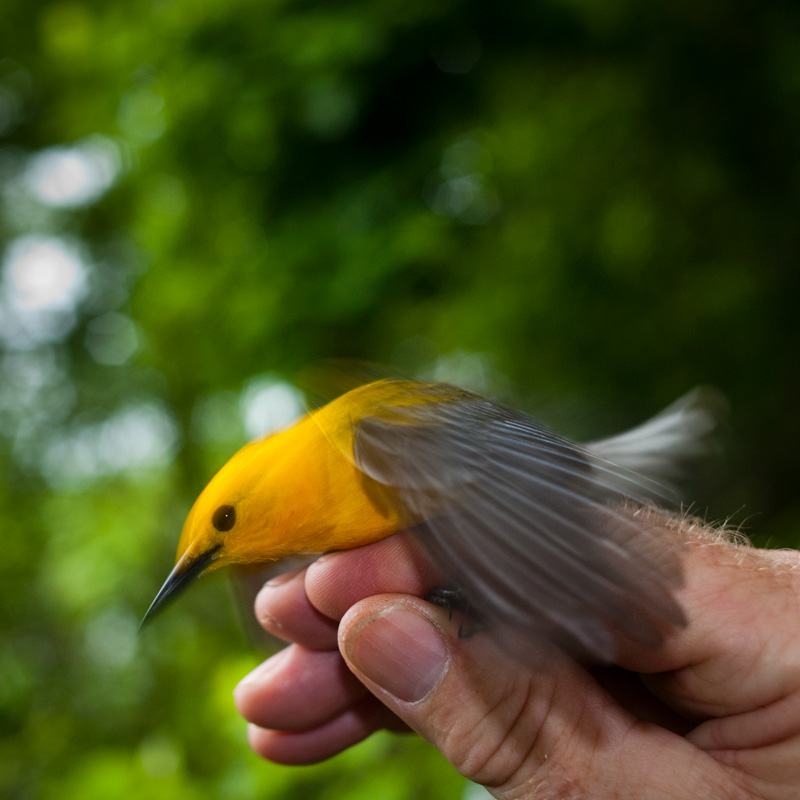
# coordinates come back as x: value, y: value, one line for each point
x: 183, y: 574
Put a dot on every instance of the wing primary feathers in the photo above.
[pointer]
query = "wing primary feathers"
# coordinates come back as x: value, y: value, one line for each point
x: 536, y: 530
x: 610, y: 477
x: 522, y: 437
x: 504, y: 603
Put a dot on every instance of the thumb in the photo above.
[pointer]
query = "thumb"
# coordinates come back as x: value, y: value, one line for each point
x: 548, y: 730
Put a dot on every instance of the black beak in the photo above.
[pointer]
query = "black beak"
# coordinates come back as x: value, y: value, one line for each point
x: 183, y: 574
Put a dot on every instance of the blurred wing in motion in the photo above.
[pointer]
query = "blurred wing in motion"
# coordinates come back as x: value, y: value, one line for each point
x: 531, y: 527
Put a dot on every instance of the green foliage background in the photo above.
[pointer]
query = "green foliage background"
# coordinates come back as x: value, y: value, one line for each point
x: 586, y: 208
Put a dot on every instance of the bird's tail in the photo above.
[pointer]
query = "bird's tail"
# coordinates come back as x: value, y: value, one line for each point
x: 658, y: 457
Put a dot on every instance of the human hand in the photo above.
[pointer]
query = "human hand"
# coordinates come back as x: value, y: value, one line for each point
x: 714, y: 713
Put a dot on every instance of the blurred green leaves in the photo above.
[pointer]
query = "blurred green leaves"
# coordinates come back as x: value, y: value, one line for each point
x: 585, y: 208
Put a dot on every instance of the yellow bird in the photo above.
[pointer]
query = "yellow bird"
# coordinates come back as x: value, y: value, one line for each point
x: 536, y: 532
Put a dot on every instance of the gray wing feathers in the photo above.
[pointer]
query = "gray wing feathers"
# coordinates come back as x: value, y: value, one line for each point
x: 530, y: 526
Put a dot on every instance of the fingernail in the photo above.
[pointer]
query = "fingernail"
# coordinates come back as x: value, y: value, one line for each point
x: 400, y: 650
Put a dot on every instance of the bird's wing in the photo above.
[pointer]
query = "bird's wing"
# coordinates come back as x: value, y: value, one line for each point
x: 531, y: 528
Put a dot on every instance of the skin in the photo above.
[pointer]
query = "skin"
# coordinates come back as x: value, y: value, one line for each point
x: 714, y: 713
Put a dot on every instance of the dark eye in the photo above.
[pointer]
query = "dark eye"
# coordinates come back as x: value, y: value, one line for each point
x: 224, y: 518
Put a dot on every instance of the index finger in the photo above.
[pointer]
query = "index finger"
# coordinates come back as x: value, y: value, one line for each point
x: 399, y: 564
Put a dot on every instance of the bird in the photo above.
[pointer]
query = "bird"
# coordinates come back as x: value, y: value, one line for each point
x: 535, y: 534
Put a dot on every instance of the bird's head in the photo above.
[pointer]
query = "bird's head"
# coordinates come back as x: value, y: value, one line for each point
x: 230, y: 523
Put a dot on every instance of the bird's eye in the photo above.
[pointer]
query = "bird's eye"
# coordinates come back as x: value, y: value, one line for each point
x: 224, y: 518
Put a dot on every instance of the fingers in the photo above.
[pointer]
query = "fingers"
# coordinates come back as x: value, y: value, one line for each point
x: 297, y: 689
x: 321, y: 742
x: 282, y: 607
x: 508, y: 728
x: 305, y: 706
x: 304, y: 703
x: 304, y: 607
x: 397, y: 564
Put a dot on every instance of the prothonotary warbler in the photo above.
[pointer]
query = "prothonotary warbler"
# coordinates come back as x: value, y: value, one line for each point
x: 538, y: 533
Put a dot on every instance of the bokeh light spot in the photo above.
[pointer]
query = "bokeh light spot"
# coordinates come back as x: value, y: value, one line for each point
x: 111, y: 639
x: 112, y: 338
x: 135, y: 438
x: 43, y: 273
x: 43, y: 281
x: 269, y: 404
x: 73, y: 176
